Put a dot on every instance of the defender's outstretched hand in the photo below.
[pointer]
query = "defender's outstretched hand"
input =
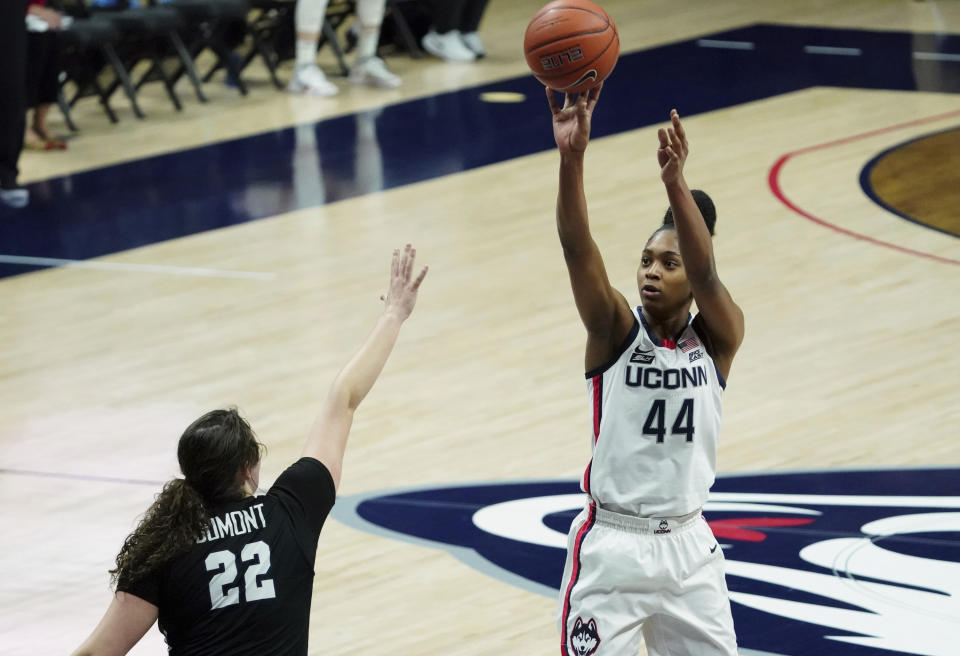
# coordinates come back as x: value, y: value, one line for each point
x: 571, y: 123
x: 328, y: 437
x: 402, y: 294
x: 673, y: 150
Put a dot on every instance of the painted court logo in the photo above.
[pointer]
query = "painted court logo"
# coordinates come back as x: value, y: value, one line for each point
x: 851, y: 563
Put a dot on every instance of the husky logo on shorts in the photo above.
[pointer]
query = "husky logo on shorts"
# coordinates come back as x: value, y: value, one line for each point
x: 664, y: 527
x: 835, y: 563
x: 584, y: 638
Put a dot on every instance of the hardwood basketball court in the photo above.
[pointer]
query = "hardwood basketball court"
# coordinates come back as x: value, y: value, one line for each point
x: 850, y: 309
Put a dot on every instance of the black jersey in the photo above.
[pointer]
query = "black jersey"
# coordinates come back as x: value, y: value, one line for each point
x: 245, y: 588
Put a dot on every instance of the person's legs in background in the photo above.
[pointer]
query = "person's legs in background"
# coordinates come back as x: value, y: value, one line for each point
x: 36, y: 47
x: 13, y: 52
x: 446, y: 15
x: 470, y: 25
x: 444, y: 39
x: 307, y: 77
x: 368, y: 69
x: 42, y: 84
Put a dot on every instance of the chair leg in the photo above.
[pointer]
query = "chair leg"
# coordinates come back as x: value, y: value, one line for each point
x: 249, y: 57
x: 213, y: 69
x: 194, y: 51
x: 120, y: 72
x: 404, y: 28
x: 105, y: 101
x: 146, y: 77
x: 187, y: 63
x: 330, y: 35
x: 229, y: 60
x: 167, y: 83
x: 65, y: 110
x: 266, y: 54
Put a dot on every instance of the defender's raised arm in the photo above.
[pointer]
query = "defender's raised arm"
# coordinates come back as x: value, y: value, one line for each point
x: 328, y: 437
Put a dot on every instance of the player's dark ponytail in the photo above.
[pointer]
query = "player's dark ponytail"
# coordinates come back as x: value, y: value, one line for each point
x: 213, y: 452
x: 707, y: 209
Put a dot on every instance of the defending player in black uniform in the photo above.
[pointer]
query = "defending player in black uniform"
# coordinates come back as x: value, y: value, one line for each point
x: 227, y: 572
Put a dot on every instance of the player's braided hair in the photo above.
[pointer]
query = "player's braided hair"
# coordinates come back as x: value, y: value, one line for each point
x: 213, y: 451
x: 707, y: 209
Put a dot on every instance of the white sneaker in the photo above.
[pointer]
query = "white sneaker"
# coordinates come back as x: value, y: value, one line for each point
x: 448, y: 46
x: 17, y: 198
x: 373, y: 72
x: 474, y: 44
x: 310, y: 81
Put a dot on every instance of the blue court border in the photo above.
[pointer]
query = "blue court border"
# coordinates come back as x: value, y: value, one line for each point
x: 117, y: 208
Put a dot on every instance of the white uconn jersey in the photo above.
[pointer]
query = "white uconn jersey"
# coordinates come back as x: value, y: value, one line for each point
x: 656, y: 423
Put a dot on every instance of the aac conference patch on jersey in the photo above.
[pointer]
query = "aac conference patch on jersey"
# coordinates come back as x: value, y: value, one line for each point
x: 861, y: 562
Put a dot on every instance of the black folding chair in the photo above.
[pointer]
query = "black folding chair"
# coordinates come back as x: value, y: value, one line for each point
x: 152, y: 34
x: 271, y: 28
x: 91, y: 64
x: 395, y: 15
x: 218, y: 26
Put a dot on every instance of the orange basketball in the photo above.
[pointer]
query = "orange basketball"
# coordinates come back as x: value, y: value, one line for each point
x: 571, y: 45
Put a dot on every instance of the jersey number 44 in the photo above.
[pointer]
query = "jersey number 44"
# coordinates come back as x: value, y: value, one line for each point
x: 682, y: 423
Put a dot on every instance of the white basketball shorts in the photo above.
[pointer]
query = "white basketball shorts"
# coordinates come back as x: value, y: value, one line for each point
x: 662, y: 578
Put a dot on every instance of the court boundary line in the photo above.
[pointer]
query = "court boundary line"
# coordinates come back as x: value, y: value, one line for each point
x: 198, y: 272
x: 773, y: 180
x: 78, y: 477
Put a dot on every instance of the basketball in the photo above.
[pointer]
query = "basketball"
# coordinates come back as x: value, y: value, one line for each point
x: 571, y: 45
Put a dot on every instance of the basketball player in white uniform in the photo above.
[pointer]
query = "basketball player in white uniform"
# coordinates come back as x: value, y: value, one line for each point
x: 641, y: 560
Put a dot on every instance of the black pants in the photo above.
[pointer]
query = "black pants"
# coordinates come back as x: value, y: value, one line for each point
x: 43, y: 68
x: 463, y: 15
x: 13, y: 52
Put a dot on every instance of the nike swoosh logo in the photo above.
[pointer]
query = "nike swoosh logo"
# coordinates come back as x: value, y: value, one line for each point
x: 715, y: 547
x: 589, y: 75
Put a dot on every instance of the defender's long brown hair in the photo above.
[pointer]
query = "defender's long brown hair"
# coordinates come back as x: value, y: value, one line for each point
x: 213, y: 452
